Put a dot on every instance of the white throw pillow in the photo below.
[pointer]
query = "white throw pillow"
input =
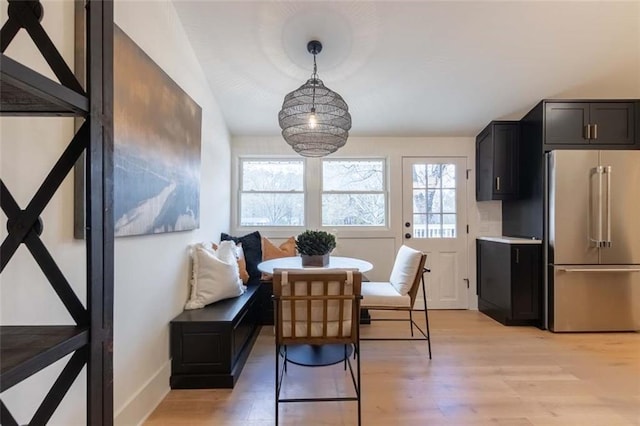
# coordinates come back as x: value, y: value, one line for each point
x: 405, y: 269
x: 215, y: 274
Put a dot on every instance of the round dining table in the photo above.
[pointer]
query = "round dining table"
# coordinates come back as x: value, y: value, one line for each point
x: 295, y: 262
x: 316, y: 355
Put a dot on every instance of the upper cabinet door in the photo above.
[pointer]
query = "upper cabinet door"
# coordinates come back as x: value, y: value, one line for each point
x: 505, y: 160
x: 612, y: 123
x: 566, y: 123
x: 497, y: 161
x: 484, y: 166
x: 589, y: 123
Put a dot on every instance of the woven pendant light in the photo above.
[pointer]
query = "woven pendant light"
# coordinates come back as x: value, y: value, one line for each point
x: 314, y: 120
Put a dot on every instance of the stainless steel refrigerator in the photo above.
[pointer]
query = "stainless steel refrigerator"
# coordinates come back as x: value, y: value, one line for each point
x: 593, y: 240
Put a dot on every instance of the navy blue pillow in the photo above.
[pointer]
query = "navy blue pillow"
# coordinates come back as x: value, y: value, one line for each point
x: 252, y: 247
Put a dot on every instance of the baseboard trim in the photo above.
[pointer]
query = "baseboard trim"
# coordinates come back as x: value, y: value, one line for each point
x: 142, y: 403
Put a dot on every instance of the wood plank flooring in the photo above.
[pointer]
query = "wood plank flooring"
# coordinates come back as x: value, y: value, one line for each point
x: 482, y: 373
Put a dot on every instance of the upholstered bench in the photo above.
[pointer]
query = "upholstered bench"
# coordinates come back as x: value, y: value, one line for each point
x: 210, y: 346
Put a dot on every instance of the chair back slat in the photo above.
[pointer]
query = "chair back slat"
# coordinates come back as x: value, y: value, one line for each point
x: 309, y: 305
x: 315, y: 307
x: 413, y: 291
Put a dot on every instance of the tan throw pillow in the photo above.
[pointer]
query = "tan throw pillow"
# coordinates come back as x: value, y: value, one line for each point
x: 271, y: 251
x: 242, y: 262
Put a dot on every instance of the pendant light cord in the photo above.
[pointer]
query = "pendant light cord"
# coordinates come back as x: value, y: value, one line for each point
x: 314, y: 78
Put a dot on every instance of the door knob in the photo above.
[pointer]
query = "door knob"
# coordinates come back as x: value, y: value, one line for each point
x: 407, y: 235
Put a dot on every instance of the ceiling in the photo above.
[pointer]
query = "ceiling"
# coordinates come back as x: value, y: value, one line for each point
x: 413, y: 68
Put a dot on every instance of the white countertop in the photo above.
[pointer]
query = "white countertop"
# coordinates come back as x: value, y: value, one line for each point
x: 511, y: 240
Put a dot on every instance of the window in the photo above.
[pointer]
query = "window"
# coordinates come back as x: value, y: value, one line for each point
x: 354, y: 193
x: 272, y: 193
x: 434, y: 201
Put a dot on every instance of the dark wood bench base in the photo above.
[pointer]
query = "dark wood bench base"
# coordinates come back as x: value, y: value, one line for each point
x: 210, y: 346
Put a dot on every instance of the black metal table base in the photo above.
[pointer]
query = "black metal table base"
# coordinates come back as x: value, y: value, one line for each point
x: 316, y: 355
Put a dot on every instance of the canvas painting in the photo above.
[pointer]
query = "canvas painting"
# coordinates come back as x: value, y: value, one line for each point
x: 157, y: 131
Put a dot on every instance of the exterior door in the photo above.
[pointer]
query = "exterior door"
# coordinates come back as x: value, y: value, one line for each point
x: 434, y: 221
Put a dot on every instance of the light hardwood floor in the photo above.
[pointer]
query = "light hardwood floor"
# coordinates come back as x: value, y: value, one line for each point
x: 482, y: 373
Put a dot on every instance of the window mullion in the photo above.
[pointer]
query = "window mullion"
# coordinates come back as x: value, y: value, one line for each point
x: 313, y: 197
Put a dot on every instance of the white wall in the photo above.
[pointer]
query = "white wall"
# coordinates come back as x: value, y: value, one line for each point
x: 379, y: 246
x: 151, y: 272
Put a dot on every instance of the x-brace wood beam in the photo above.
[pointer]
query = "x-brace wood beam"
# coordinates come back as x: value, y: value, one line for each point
x: 25, y: 226
x: 6, y: 418
x: 23, y: 222
x: 26, y: 14
x: 60, y: 388
x: 55, y: 395
x: 46, y: 262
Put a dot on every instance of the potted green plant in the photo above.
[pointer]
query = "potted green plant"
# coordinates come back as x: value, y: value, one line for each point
x: 314, y: 247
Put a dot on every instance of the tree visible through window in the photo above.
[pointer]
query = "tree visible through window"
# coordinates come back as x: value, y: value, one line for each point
x: 434, y: 201
x: 272, y: 193
x: 353, y: 193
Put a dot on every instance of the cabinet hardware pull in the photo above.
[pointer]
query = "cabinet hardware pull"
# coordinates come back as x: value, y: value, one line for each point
x: 517, y: 255
x: 595, y: 131
x: 587, y: 131
x: 498, y: 183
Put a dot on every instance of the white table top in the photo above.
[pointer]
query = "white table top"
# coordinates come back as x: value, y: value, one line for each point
x: 295, y: 262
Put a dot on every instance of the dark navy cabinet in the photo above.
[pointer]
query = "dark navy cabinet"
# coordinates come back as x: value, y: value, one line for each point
x: 509, y: 282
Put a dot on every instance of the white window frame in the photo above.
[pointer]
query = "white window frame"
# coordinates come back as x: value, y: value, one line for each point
x: 384, y: 192
x: 312, y: 199
x: 240, y: 191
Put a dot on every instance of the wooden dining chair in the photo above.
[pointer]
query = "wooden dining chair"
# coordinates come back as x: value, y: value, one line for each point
x: 399, y: 293
x: 317, y: 307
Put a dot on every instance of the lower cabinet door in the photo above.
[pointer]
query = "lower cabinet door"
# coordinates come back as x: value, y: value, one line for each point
x: 525, y: 282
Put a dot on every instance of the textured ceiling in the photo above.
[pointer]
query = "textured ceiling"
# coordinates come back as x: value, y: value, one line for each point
x: 418, y: 68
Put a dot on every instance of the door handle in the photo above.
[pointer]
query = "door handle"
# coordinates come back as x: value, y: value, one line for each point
x: 607, y: 171
x: 497, y: 183
x: 595, y: 131
x: 598, y: 240
x: 587, y: 131
x: 407, y: 236
x: 600, y: 205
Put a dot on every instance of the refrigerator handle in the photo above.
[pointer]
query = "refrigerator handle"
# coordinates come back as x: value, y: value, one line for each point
x: 607, y: 242
x: 598, y: 270
x: 598, y: 240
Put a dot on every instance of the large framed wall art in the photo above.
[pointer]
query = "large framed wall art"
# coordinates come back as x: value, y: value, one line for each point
x: 157, y: 132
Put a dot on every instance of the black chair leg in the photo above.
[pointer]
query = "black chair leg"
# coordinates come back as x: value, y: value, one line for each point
x: 411, y: 321
x: 357, y: 349
x: 426, y: 316
x: 285, y: 359
x: 345, y: 357
x: 277, y: 389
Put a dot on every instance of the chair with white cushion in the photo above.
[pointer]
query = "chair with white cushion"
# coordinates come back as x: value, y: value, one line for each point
x: 399, y: 293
